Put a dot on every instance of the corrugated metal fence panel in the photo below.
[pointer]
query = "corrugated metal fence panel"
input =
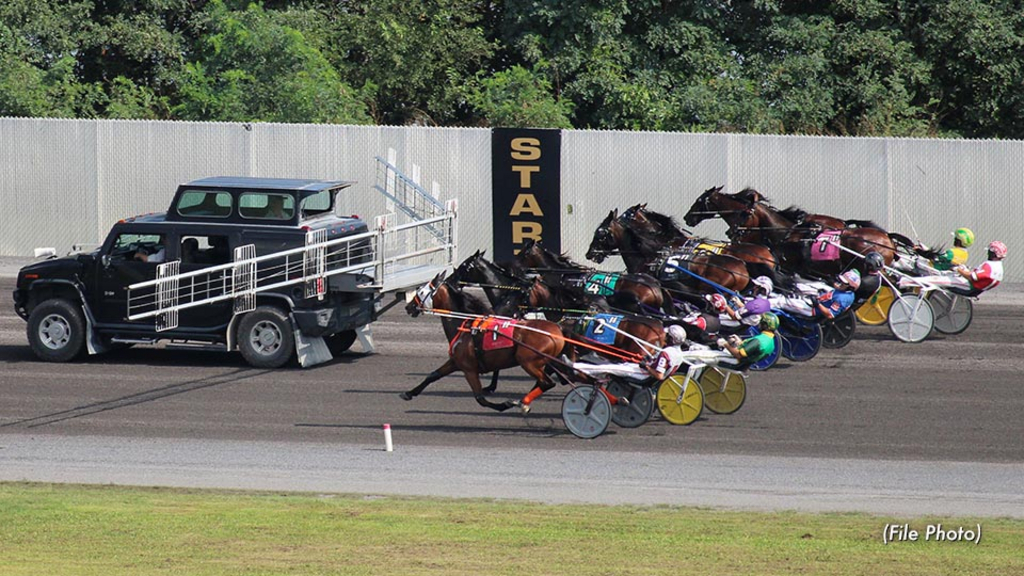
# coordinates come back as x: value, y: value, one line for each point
x: 842, y: 177
x: 47, y: 184
x: 67, y: 181
x: 941, y: 185
x: 141, y: 163
x: 602, y: 171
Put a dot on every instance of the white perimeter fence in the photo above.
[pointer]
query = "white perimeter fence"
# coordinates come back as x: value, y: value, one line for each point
x: 64, y: 182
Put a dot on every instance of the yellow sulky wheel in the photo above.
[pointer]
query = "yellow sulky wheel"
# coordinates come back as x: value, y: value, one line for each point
x: 875, y: 311
x: 680, y: 400
x: 724, y: 392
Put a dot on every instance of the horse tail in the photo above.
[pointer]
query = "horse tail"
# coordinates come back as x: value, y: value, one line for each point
x: 901, y: 240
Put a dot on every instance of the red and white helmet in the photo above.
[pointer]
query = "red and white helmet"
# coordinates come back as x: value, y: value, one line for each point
x: 718, y: 302
x: 998, y: 249
x: 851, y: 277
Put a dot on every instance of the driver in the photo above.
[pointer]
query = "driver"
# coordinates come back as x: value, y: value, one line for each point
x: 144, y: 255
x: 755, y: 348
x: 829, y: 303
x: 984, y: 277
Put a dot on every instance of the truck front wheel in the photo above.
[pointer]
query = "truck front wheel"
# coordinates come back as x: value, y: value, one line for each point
x: 265, y: 338
x: 56, y: 330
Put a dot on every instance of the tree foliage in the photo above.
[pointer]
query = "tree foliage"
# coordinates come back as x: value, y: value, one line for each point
x: 857, y: 67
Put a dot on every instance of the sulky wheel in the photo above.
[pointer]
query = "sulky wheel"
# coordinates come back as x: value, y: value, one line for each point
x: 911, y: 318
x: 838, y: 332
x: 801, y: 341
x: 586, y: 411
x: 953, y: 313
x: 875, y: 311
x: 636, y: 410
x: 680, y: 400
x: 724, y: 392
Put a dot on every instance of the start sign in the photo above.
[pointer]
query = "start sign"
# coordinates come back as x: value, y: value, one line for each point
x: 526, y: 189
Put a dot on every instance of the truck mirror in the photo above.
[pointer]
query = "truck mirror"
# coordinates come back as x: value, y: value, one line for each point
x: 105, y: 259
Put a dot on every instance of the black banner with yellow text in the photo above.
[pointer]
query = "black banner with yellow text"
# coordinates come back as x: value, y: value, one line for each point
x: 526, y: 190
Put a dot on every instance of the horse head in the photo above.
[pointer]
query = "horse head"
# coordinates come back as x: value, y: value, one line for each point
x: 705, y: 207
x: 423, y: 297
x: 605, y: 241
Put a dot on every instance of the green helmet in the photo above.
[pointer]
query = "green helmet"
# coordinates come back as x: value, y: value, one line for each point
x: 769, y: 321
x: 965, y: 236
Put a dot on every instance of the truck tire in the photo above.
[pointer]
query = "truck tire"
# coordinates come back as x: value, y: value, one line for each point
x: 265, y: 338
x: 339, y: 343
x: 56, y: 330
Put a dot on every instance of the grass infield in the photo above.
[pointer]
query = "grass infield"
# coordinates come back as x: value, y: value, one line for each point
x: 106, y: 530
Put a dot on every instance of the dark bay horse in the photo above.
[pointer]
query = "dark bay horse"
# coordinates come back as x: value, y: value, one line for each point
x: 639, y: 293
x: 759, y: 258
x: 532, y: 345
x: 790, y: 232
x: 642, y: 251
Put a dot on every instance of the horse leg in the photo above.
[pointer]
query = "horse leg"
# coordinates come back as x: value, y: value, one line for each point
x: 544, y: 383
x: 445, y: 369
x: 494, y: 384
x: 478, y: 392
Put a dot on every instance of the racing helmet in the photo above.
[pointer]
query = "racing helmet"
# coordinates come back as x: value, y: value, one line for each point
x: 851, y: 277
x: 676, y: 334
x: 997, y: 249
x: 965, y: 236
x: 873, y: 262
x: 769, y: 321
x: 717, y: 302
x: 765, y: 283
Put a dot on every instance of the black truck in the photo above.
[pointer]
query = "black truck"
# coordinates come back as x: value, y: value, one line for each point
x: 243, y: 262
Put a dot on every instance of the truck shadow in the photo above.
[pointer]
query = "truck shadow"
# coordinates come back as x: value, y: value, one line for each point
x: 143, y: 397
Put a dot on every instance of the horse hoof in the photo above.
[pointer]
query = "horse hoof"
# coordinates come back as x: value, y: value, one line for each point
x: 405, y: 396
x: 525, y: 408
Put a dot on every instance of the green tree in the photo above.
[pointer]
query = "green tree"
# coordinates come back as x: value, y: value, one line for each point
x: 417, y: 56
x: 251, y: 67
x: 519, y: 98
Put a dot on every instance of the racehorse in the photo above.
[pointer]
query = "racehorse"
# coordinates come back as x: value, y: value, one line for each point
x: 631, y: 292
x: 641, y: 251
x: 532, y: 344
x: 759, y: 258
x: 791, y: 231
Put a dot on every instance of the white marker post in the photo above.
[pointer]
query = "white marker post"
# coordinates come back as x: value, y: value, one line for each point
x: 388, y: 446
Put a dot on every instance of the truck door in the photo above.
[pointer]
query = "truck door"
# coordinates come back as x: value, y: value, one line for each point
x: 199, y: 250
x: 132, y: 258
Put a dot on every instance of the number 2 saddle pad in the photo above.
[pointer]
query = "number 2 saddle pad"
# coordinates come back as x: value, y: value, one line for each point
x: 600, y: 332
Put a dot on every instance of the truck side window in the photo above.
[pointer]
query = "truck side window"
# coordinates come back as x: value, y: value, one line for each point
x: 317, y: 203
x: 204, y: 204
x: 139, y: 247
x: 205, y: 250
x: 266, y: 206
